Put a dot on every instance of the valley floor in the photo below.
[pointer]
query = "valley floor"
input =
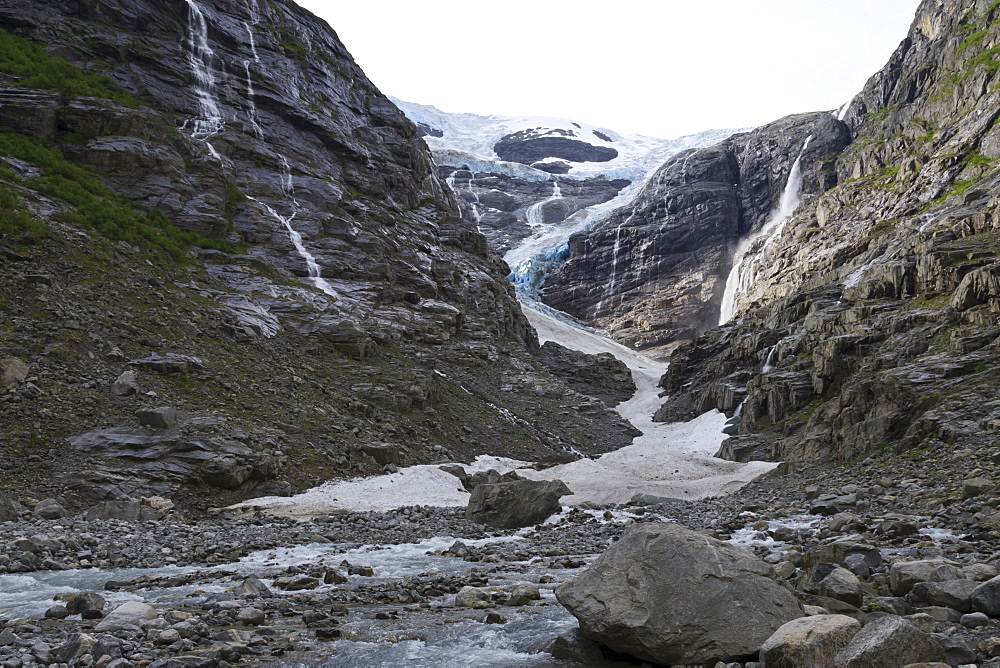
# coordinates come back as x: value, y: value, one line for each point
x: 376, y: 581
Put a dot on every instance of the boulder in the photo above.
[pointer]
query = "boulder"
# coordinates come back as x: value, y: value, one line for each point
x: 472, y: 597
x: 88, y: 604
x: 125, y: 384
x: 955, y: 594
x: 10, y: 509
x: 666, y: 594
x: 50, y: 509
x: 163, y: 417
x: 973, y: 487
x: 523, y: 593
x: 130, y: 615
x: 986, y: 597
x: 384, y: 453
x: 251, y: 587
x: 808, y: 641
x: 251, y: 616
x: 903, y: 575
x: 516, y: 504
x: 12, y: 371
x: 889, y: 642
x: 75, y: 646
x: 842, y: 585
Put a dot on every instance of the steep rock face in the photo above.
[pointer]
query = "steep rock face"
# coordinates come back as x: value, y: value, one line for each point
x: 539, y: 145
x: 508, y: 209
x: 654, y: 272
x: 353, y: 304
x: 873, y: 321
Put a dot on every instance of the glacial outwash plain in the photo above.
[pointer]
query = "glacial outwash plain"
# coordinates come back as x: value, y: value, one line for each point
x: 293, y: 373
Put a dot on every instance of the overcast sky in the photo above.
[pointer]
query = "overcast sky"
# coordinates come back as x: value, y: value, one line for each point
x: 657, y: 67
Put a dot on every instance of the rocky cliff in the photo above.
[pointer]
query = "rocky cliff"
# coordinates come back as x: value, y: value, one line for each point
x: 209, y: 209
x: 654, y: 271
x: 872, y: 322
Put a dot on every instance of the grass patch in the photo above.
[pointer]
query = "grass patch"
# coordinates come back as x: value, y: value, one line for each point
x: 31, y: 66
x: 113, y: 216
x: 16, y: 222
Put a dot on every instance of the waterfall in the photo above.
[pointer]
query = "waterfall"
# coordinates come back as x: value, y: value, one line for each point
x: 842, y: 113
x: 614, y: 262
x: 288, y: 190
x: 201, y: 57
x: 745, y: 264
x: 475, y: 205
x: 535, y: 215
x: 769, y: 360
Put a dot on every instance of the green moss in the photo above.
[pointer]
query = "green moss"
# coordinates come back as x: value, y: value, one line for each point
x: 929, y: 301
x: 978, y: 160
x: 17, y: 225
x: 974, y: 39
x: 31, y: 66
x: 113, y: 216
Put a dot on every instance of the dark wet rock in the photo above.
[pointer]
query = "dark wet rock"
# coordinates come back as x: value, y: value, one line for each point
x: 676, y: 578
x: 88, y: 604
x: 520, y: 503
x: 527, y: 147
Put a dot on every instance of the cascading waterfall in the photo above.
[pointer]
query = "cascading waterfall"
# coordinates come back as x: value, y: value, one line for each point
x: 251, y: 104
x: 475, y: 205
x: 201, y: 57
x: 288, y: 190
x: 769, y: 360
x: 535, y: 215
x: 614, y: 262
x: 745, y: 264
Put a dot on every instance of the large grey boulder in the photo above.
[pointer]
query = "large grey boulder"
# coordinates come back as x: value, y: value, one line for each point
x: 903, y: 575
x: 50, y: 509
x: 516, y: 504
x: 808, y: 642
x: 127, y: 616
x: 986, y: 597
x: 889, y: 642
x: 666, y: 594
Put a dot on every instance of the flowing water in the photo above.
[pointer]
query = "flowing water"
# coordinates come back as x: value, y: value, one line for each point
x: 745, y: 263
x: 201, y: 58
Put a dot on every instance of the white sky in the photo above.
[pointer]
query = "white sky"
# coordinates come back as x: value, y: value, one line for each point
x: 657, y: 67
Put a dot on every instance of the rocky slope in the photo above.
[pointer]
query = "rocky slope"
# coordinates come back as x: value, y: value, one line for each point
x: 337, y: 298
x: 872, y: 324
